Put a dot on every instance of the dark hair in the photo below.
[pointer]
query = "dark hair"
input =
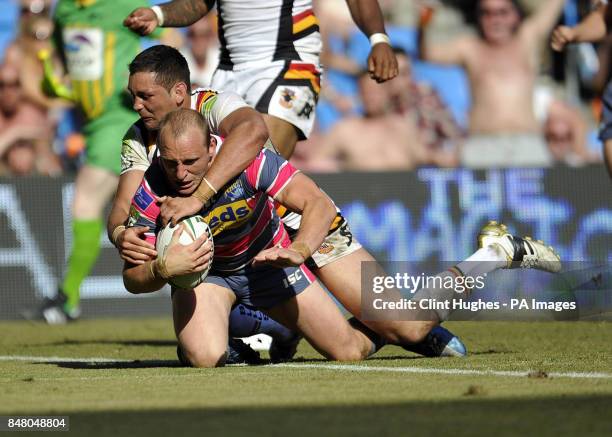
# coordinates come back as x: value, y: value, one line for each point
x: 515, y: 4
x: 471, y: 12
x: 169, y: 66
x: 182, y: 119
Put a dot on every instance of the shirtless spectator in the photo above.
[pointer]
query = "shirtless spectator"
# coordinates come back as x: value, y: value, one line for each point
x: 381, y: 140
x: 35, y: 30
x: 502, y: 65
x: 566, y: 132
x: 25, y: 132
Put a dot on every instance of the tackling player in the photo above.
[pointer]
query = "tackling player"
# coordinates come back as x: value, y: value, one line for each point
x: 159, y: 83
x: 255, y: 262
x: 270, y: 56
x: 340, y: 267
x: 159, y: 80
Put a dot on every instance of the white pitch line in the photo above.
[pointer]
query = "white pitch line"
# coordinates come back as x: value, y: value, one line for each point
x: 61, y: 359
x: 427, y: 370
x: 342, y: 367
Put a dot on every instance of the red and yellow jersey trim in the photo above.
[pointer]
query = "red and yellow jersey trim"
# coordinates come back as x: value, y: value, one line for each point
x: 305, y: 22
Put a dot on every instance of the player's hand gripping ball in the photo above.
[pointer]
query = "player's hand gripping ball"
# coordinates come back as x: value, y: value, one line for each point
x: 194, y: 227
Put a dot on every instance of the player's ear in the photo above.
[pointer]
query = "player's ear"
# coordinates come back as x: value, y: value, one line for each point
x: 180, y: 92
x: 212, y: 148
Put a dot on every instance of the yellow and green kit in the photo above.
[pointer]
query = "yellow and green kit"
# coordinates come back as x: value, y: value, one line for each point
x: 97, y: 49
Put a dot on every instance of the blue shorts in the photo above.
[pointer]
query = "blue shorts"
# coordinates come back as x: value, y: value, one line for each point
x: 264, y: 287
x: 605, y: 127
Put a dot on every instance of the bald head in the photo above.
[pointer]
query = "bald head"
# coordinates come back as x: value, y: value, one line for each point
x: 184, y: 144
x: 181, y: 122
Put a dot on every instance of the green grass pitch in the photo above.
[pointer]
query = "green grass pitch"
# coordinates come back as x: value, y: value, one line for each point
x: 141, y: 391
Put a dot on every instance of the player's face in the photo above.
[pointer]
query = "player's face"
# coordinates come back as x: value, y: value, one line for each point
x: 185, y: 160
x: 498, y: 20
x: 151, y: 100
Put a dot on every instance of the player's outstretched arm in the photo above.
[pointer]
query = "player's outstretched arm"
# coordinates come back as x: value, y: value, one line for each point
x: 367, y: 15
x: 177, y: 13
x: 303, y: 196
x: 245, y: 134
x: 177, y: 260
x: 591, y: 28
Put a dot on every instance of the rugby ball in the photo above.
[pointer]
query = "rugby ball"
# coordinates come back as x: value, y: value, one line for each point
x: 194, y: 227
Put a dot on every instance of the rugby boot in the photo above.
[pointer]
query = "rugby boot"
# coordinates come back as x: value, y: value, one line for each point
x: 238, y: 352
x: 54, y: 312
x: 440, y: 342
x: 281, y: 351
x: 520, y: 252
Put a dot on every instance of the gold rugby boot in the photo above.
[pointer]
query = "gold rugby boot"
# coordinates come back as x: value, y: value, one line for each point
x: 520, y: 252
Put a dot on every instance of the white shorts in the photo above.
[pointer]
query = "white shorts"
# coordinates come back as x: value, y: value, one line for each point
x: 337, y: 244
x: 339, y: 241
x: 288, y: 90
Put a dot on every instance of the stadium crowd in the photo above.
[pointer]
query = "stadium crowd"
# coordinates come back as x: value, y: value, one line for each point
x: 488, y: 108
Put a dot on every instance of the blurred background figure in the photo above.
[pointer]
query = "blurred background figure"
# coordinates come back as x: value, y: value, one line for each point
x: 404, y: 125
x: 34, y: 30
x: 381, y: 139
x: 433, y: 98
x: 202, y: 51
x: 34, y: 35
x: 95, y: 49
x: 502, y: 66
x: 565, y: 131
x: 595, y: 26
x: 26, y: 134
x: 339, y: 91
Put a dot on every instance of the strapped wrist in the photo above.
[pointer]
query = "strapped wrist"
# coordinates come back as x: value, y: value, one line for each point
x: 204, y: 192
x: 159, y: 269
x: 377, y: 38
x: 301, y: 248
x: 116, y: 232
x: 152, y: 269
x: 159, y: 14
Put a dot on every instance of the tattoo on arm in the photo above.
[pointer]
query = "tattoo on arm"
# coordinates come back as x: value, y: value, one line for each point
x: 179, y: 13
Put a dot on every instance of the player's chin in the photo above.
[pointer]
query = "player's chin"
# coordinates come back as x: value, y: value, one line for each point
x: 186, y: 189
x: 150, y: 122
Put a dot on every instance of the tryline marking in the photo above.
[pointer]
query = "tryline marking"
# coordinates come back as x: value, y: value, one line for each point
x: 62, y: 359
x: 434, y: 371
x: 333, y: 367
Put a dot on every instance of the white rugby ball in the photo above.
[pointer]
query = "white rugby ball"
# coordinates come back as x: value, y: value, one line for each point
x: 194, y: 227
